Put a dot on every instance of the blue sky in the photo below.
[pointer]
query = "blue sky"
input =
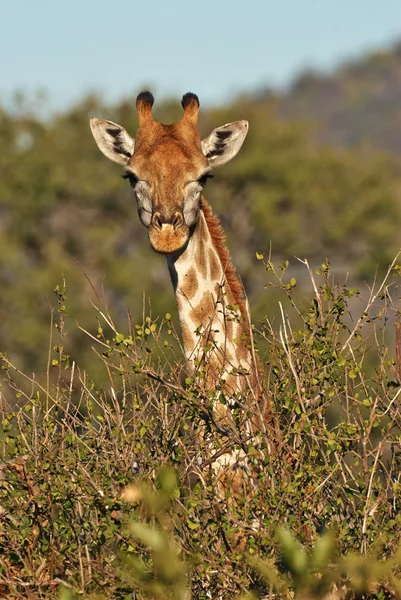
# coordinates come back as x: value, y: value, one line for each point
x: 215, y: 48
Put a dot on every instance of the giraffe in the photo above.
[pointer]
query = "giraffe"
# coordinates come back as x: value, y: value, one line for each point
x: 168, y: 167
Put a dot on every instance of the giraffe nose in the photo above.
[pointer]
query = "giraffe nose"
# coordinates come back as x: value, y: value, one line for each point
x: 158, y: 220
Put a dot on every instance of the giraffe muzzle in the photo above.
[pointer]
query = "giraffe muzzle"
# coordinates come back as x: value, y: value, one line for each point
x: 168, y: 234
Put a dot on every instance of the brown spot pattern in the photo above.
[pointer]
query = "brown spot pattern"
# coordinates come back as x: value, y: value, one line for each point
x: 229, y: 330
x: 200, y: 258
x: 190, y: 284
x: 219, y: 291
x: 215, y: 270
x: 229, y: 356
x: 233, y: 383
x: 187, y: 338
x: 204, y: 310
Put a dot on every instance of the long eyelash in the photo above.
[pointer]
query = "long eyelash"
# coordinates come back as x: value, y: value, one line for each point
x: 203, y: 180
x: 132, y: 178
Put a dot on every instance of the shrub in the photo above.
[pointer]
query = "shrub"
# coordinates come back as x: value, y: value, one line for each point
x: 73, y: 452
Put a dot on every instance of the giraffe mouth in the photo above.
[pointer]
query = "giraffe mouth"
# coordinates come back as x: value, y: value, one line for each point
x: 167, y: 239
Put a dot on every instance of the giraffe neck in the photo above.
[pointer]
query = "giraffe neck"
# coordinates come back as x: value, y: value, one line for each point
x: 211, y: 306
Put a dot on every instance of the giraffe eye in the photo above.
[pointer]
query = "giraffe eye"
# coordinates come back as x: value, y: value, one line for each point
x: 203, y: 180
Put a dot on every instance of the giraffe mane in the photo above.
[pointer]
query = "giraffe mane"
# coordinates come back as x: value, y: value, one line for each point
x: 233, y: 280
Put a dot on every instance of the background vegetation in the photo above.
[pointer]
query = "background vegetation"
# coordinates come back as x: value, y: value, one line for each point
x: 86, y: 499
x: 65, y: 210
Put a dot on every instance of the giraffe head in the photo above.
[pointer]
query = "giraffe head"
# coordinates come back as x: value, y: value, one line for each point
x: 168, y: 166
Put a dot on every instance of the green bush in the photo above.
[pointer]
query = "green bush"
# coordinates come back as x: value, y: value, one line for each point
x: 83, y: 501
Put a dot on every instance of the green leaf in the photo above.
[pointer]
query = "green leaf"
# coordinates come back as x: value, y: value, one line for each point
x: 294, y: 554
x: 323, y: 551
x: 148, y: 535
x: 167, y: 479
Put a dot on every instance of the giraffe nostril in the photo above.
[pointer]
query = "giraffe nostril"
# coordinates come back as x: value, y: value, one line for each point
x: 177, y: 220
x: 157, y: 220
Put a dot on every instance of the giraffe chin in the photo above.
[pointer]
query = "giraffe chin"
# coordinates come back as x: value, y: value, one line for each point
x: 167, y: 240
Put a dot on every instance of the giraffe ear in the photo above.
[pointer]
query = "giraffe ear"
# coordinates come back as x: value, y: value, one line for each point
x: 224, y: 142
x: 113, y: 140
